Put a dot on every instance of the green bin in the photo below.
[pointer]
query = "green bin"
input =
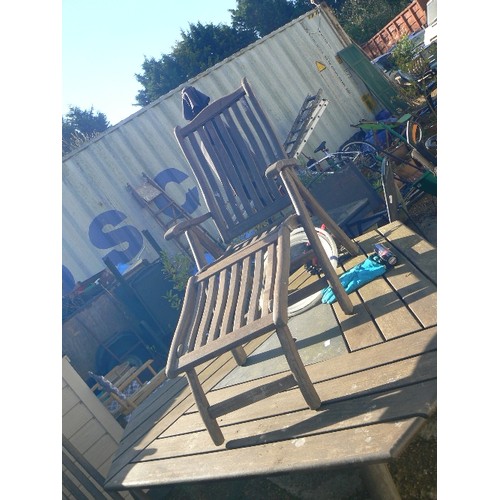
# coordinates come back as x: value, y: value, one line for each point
x: 427, y: 183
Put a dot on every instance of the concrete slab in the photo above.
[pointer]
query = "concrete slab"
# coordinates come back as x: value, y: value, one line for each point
x: 318, y: 338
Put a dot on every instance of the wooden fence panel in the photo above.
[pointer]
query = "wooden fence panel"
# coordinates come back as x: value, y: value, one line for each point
x: 90, y: 437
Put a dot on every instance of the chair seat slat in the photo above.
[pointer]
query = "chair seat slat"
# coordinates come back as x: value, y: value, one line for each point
x: 257, y: 285
x: 220, y: 305
x: 243, y: 293
x: 228, y: 319
x: 223, y: 344
x: 269, y: 277
x: 195, y: 324
x: 208, y: 311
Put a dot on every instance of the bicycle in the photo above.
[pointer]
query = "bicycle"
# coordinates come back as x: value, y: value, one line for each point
x: 336, y: 161
x: 382, y: 137
x: 386, y: 134
x: 377, y: 137
x: 423, y: 171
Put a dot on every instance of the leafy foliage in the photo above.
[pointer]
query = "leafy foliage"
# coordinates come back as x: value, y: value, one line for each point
x: 362, y: 19
x: 404, y: 52
x: 158, y: 78
x: 80, y: 125
x: 178, y: 269
x: 263, y: 17
x: 201, y: 47
x: 205, y: 45
x: 413, y: 62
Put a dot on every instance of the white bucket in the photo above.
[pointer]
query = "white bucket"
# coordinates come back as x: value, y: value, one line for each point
x: 298, y: 239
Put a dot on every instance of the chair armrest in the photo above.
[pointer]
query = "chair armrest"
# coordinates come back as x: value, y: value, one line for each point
x: 198, y: 239
x: 181, y: 227
x: 278, y: 166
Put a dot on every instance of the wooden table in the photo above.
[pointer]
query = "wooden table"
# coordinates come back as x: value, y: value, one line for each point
x: 377, y: 393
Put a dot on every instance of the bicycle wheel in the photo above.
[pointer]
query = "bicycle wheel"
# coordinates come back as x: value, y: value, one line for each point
x: 363, y: 154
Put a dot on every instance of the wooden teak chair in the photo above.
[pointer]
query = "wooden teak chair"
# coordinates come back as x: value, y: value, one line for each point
x: 247, y: 181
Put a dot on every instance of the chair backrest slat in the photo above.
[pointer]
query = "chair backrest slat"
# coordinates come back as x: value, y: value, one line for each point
x: 258, y: 158
x: 216, y: 165
x: 231, y: 150
x: 229, y: 146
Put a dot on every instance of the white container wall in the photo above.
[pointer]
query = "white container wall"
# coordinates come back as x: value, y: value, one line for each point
x: 101, y: 218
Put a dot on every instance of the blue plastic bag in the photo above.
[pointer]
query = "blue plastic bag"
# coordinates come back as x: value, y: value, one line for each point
x: 356, y: 277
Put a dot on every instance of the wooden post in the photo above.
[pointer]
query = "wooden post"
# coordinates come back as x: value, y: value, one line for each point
x: 379, y: 482
x: 152, y: 241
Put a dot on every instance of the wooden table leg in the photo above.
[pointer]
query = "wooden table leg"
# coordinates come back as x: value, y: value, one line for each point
x: 379, y: 482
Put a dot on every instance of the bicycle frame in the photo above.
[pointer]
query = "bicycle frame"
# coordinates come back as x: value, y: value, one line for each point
x: 342, y: 156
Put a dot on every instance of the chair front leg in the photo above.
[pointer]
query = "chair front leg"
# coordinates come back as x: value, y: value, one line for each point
x: 297, y: 367
x: 239, y: 355
x: 204, y: 408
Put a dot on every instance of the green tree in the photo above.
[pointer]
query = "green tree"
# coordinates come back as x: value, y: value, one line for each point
x: 362, y: 19
x: 176, y: 269
x: 80, y: 125
x: 261, y: 17
x: 200, y: 47
x: 264, y: 16
x: 158, y: 77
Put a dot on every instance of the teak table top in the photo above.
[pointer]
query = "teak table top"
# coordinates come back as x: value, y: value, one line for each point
x: 378, y: 388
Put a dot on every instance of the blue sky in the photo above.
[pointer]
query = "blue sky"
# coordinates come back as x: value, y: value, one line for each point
x: 104, y: 43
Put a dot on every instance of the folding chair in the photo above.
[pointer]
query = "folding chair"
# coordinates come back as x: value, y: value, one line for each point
x: 247, y: 182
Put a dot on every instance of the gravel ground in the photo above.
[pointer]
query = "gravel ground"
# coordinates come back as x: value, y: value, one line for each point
x: 415, y: 473
x: 424, y: 213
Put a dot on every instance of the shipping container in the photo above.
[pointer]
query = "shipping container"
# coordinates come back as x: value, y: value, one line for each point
x: 101, y: 215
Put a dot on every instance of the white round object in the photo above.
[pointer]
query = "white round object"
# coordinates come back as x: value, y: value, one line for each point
x: 298, y: 239
x: 298, y: 245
